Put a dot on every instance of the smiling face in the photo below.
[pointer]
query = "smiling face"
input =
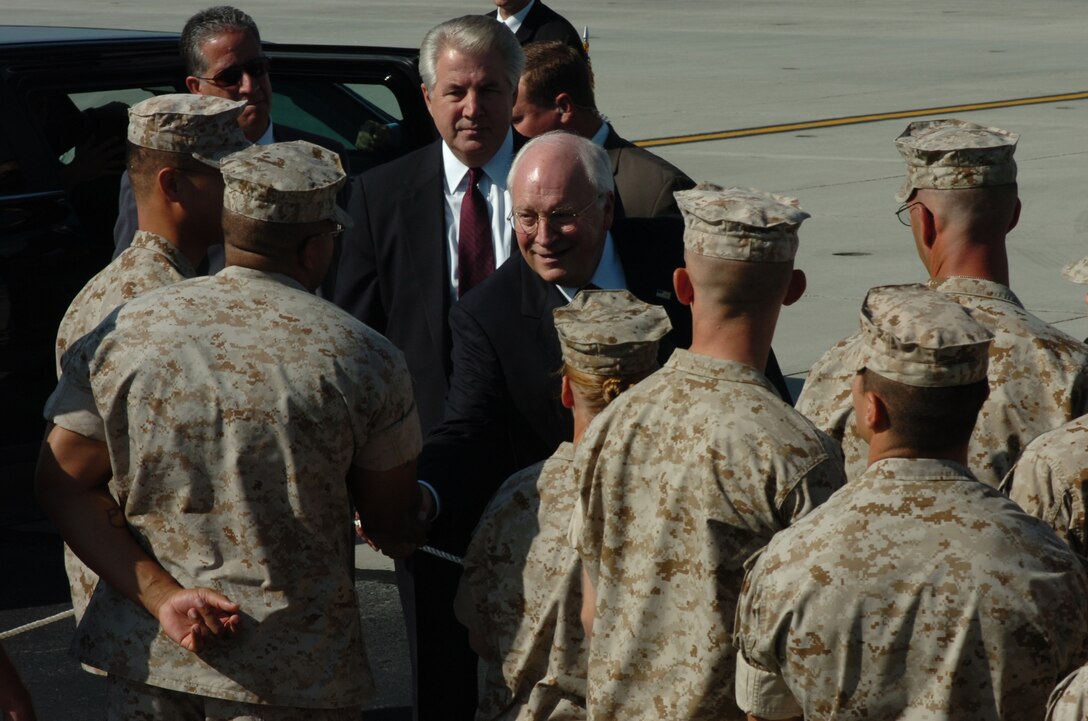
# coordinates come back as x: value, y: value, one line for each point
x: 229, y: 49
x: 548, y: 181
x: 471, y: 103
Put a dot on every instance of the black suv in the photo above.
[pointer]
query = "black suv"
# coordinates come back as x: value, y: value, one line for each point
x: 59, y: 89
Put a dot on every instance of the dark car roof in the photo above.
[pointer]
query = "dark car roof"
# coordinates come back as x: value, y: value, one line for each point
x: 15, y: 35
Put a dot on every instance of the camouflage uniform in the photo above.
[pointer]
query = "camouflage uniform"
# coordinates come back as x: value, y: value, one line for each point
x: 1038, y: 381
x: 915, y: 591
x: 1038, y: 375
x: 180, y: 123
x: 1069, y: 702
x: 521, y: 590
x: 1050, y: 481
x: 522, y: 593
x: 233, y: 407
x: 682, y: 478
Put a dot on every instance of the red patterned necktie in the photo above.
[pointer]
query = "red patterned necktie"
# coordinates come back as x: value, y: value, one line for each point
x: 475, y: 254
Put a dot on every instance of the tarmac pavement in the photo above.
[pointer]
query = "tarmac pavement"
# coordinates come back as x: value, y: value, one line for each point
x: 667, y: 69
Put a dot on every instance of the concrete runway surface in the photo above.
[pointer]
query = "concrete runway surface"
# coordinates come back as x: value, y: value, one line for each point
x: 675, y: 70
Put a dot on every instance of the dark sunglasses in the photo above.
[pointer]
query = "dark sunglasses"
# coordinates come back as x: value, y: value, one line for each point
x: 228, y: 77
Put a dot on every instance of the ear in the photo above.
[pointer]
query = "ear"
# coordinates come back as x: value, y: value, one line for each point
x: 609, y: 209
x: 564, y: 106
x: 1015, y: 216
x: 427, y: 95
x: 566, y: 395
x: 166, y: 180
x: 681, y: 281
x: 876, y: 413
x: 193, y: 84
x: 796, y: 289
x: 928, y: 226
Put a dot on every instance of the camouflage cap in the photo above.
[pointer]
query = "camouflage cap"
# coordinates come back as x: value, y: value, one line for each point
x: 917, y: 336
x: 740, y: 223
x: 203, y: 125
x: 1076, y: 272
x: 292, y: 182
x: 610, y: 332
x: 951, y: 154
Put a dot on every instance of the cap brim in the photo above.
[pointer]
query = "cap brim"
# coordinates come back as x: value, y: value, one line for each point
x: 905, y: 191
x: 215, y: 159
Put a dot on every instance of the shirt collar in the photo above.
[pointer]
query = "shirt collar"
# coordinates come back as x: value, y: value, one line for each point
x: 496, y: 169
x: 267, y: 138
x: 252, y: 274
x: 964, y: 285
x: 609, y: 274
x: 601, y: 135
x: 514, y: 21
x: 157, y: 243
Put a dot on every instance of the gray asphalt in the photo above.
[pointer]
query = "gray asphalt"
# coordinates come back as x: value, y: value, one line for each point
x: 674, y: 69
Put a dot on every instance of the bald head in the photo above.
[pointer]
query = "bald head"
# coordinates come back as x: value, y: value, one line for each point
x: 738, y: 287
x: 972, y: 212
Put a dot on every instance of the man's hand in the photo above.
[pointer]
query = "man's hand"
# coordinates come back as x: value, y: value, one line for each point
x: 193, y: 616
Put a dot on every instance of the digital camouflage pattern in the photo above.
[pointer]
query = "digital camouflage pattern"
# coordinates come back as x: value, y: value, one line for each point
x: 915, y: 592
x: 740, y: 223
x: 610, y: 333
x: 131, y: 701
x: 294, y: 182
x: 1050, y: 482
x: 521, y: 594
x: 233, y: 407
x: 1038, y: 381
x: 917, y: 336
x: 150, y: 262
x: 952, y: 154
x: 1069, y: 702
x: 681, y: 479
x: 202, y: 125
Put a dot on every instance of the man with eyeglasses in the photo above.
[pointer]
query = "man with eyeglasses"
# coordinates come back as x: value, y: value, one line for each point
x: 237, y: 451
x: 503, y: 411
x: 221, y: 48
x: 960, y: 200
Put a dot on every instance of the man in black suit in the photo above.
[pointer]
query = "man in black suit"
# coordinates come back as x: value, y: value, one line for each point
x: 221, y: 48
x: 555, y: 92
x: 503, y: 411
x: 533, y: 21
x: 406, y: 262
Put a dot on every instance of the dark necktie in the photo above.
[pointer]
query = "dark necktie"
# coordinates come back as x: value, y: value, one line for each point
x: 475, y: 255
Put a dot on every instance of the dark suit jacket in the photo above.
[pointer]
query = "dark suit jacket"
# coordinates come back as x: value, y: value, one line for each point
x: 503, y: 410
x: 391, y: 272
x: 542, y: 24
x: 644, y: 182
x: 127, y: 222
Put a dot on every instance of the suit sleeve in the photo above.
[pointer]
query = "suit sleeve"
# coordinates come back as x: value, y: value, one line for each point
x: 126, y: 224
x: 468, y: 455
x: 355, y: 286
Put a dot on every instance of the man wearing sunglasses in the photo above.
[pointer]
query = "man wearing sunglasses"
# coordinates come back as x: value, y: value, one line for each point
x: 960, y: 200
x: 221, y: 48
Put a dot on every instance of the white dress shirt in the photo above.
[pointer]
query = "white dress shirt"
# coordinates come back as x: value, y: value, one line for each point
x: 514, y: 21
x: 496, y: 194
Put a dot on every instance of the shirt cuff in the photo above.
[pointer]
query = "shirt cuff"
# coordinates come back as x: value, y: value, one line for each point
x: 437, y: 499
x: 763, y: 693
